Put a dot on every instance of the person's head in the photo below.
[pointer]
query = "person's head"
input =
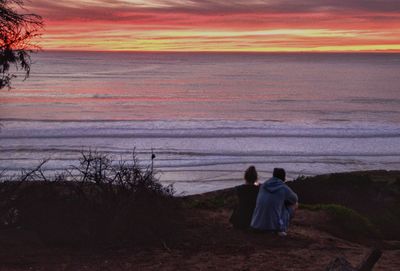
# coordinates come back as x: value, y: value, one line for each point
x: 279, y: 173
x: 250, y: 175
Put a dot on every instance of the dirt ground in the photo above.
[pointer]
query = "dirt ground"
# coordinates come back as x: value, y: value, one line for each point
x: 208, y: 243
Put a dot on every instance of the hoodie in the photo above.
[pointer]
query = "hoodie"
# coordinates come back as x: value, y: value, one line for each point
x: 271, y: 212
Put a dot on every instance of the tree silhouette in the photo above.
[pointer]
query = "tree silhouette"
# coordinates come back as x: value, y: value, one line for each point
x: 17, y: 30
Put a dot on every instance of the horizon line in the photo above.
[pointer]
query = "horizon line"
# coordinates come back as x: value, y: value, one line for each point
x: 224, y: 52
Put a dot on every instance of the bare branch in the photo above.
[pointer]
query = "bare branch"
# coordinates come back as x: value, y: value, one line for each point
x: 27, y: 175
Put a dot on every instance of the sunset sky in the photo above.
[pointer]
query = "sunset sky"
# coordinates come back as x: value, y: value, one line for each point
x: 223, y: 25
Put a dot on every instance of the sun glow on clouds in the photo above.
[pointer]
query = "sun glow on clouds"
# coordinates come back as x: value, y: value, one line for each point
x: 194, y: 25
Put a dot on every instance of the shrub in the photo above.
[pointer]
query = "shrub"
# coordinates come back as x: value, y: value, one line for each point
x: 100, y: 201
x: 220, y: 199
x: 345, y: 222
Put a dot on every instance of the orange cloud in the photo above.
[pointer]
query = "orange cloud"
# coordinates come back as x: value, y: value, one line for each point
x: 173, y: 25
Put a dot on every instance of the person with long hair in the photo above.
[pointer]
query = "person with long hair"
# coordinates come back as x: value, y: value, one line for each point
x: 247, y: 195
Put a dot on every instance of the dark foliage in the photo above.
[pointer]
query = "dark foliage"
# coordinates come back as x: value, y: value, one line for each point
x: 220, y: 199
x: 346, y: 223
x: 101, y: 201
x: 375, y: 198
x: 17, y: 30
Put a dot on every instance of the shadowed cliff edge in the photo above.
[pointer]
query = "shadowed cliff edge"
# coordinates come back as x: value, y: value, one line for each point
x: 116, y: 216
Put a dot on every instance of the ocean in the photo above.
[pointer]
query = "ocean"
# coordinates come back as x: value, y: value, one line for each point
x: 206, y: 116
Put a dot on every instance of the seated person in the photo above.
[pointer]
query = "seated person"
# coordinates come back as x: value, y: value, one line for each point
x: 275, y: 206
x: 247, y: 195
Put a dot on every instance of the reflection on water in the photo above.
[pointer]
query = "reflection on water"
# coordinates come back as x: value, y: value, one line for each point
x: 207, y: 116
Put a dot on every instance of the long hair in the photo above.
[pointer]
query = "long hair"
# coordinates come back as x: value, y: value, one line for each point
x: 250, y: 175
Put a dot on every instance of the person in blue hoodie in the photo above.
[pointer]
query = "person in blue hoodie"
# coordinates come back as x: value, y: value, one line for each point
x: 275, y: 205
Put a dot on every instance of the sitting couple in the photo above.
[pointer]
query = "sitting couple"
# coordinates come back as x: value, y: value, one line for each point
x: 268, y: 207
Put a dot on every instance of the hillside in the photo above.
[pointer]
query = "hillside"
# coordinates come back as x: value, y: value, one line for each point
x: 204, y: 240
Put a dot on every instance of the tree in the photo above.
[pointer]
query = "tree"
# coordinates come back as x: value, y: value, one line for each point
x: 17, y: 31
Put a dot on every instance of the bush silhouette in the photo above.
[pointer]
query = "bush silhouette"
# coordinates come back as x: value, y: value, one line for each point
x: 100, y: 201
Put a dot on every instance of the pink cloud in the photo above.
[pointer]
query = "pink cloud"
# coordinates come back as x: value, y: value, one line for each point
x: 121, y: 20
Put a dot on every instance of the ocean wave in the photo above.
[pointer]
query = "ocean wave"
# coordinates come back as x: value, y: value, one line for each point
x: 195, y: 135
x: 214, y: 161
x: 187, y: 153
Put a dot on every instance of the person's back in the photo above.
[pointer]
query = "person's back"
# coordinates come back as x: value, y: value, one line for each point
x: 247, y: 195
x: 275, y: 205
